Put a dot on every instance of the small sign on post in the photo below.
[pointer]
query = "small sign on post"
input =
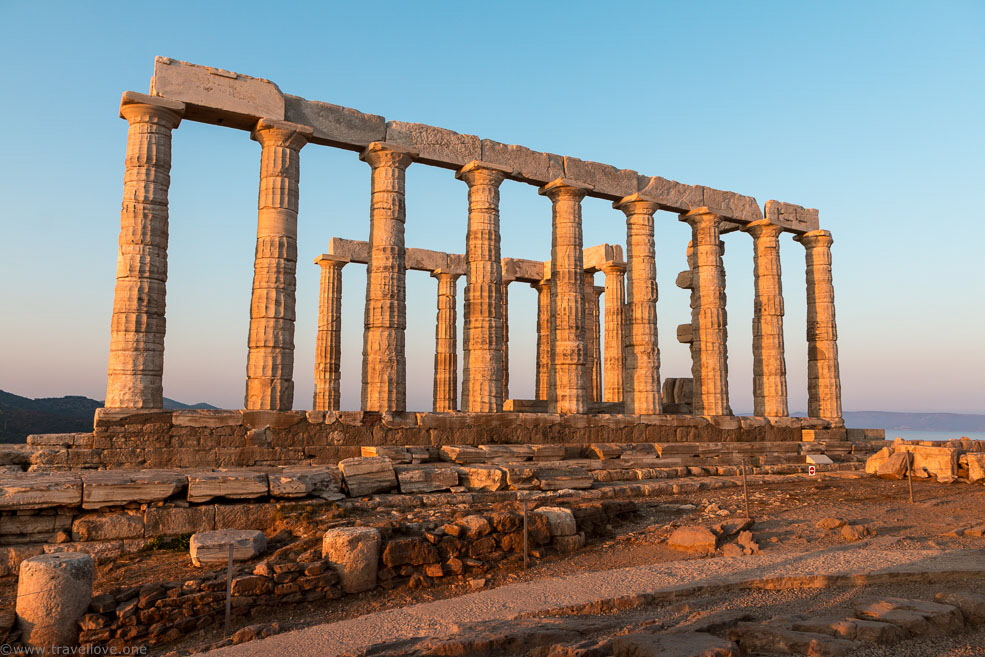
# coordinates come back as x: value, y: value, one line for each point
x: 812, y: 470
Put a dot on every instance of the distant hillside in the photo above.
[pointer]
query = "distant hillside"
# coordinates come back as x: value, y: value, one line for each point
x: 915, y: 421
x: 21, y: 416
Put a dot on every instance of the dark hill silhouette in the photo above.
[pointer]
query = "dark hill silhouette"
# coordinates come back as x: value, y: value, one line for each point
x: 21, y: 416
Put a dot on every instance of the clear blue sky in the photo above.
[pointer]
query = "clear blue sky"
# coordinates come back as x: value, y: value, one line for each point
x: 869, y: 111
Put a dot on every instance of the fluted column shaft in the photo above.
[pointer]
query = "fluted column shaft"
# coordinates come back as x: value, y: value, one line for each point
x: 613, y: 358
x: 136, y: 352
x: 709, y: 365
x: 483, y: 330
x: 270, y: 363
x: 823, y: 378
x: 543, y: 376
x: 641, y: 350
x: 769, y: 383
x: 506, y: 338
x: 568, y: 389
x: 445, y: 347
x: 591, y: 337
x: 384, y: 370
x: 328, y: 343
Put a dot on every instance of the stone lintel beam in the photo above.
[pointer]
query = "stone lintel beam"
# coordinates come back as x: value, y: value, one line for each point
x: 238, y: 101
x: 357, y: 251
x: 792, y: 218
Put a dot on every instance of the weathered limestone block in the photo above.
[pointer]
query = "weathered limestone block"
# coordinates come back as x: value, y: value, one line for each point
x: 437, y: 146
x: 39, y: 490
x: 409, y: 551
x: 261, y: 516
x: 972, y: 605
x: 206, y: 418
x: 395, y: 454
x: 354, y: 553
x: 333, y: 125
x: 368, y: 475
x: 853, y: 629
x: 608, y: 182
x: 873, y: 463
x: 425, y: 479
x: 233, y: 484
x: 323, y: 481
x: 547, y: 452
x: 24, y: 526
x: 526, y: 165
x: 462, y: 454
x: 670, y: 194
x: 497, y: 453
x: 481, y: 477
x: 675, y: 644
x: 756, y: 638
x: 108, y: 526
x: 731, y: 205
x: 792, y: 217
x: 215, y: 95
x: 560, y: 520
x: 939, y: 462
x: 53, y: 592
x: 915, y: 616
x: 695, y: 539
x: 119, y: 487
x: 174, y: 521
x: 213, y: 547
x: 976, y: 466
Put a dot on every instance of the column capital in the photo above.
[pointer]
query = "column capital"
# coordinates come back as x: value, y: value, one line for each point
x: 444, y: 273
x: 613, y: 267
x: 544, y: 283
x: 635, y: 204
x: 326, y: 260
x: 762, y: 228
x: 565, y: 188
x: 815, y: 238
x: 382, y: 153
x: 269, y: 132
x: 598, y: 289
x: 478, y: 172
x: 141, y: 108
x: 701, y: 216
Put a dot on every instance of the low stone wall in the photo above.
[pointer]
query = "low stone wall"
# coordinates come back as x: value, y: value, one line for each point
x: 161, y: 439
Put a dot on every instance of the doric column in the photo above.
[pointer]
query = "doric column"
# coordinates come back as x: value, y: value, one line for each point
x: 591, y: 337
x: 482, y: 373
x: 769, y: 368
x: 445, y: 347
x: 568, y: 389
x: 384, y: 381
x: 709, y: 364
x: 328, y: 344
x: 136, y: 350
x: 506, y: 338
x: 542, y: 377
x: 823, y: 379
x: 613, y: 359
x: 641, y: 351
x: 596, y: 383
x: 270, y: 364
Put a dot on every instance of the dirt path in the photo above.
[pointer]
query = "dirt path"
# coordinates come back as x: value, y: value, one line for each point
x: 840, y: 564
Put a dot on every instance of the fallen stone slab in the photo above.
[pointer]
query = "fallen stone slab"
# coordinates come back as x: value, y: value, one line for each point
x: 354, y: 553
x: 368, y: 475
x: 683, y: 644
x: 548, y: 452
x: 39, y: 490
x: 323, y: 481
x: 939, y: 462
x: 694, y: 539
x: 481, y: 477
x: 564, y: 478
x: 119, y: 487
x: 853, y: 629
x: 773, y: 639
x: 976, y: 466
x: 915, y: 616
x: 972, y: 605
x: 895, y: 467
x: 213, y: 547
x: 499, y: 453
x: 395, y: 454
x: 462, y: 454
x: 873, y: 463
x: 425, y: 479
x: 108, y: 526
x: 560, y: 520
x: 232, y: 484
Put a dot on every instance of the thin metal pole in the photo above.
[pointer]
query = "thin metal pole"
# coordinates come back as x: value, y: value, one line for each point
x: 229, y: 589
x: 745, y: 487
x: 525, y: 552
x: 909, y: 473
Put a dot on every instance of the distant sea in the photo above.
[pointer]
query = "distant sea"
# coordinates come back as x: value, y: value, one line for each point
x: 918, y: 434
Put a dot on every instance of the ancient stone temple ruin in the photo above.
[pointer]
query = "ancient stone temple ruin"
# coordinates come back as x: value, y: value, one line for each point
x: 581, y: 385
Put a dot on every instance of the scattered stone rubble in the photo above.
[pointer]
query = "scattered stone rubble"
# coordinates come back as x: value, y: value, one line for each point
x: 955, y: 460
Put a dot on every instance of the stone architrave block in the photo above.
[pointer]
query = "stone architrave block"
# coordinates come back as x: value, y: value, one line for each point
x: 795, y: 218
x: 39, y: 490
x: 324, y: 481
x: 608, y: 182
x: 528, y: 166
x: 560, y: 520
x: 108, y: 526
x: 481, y: 477
x: 213, y: 547
x: 334, y: 125
x: 217, y: 96
x: 744, y: 209
x: 118, y: 487
x: 53, y: 592
x: 670, y: 195
x: 462, y: 454
x: 435, y: 146
x: 232, y: 484
x: 354, y: 553
x: 425, y: 479
x: 174, y: 521
x: 368, y: 475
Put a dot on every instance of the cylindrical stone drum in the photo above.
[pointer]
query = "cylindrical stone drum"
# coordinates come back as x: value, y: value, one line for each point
x: 53, y: 593
x: 354, y: 553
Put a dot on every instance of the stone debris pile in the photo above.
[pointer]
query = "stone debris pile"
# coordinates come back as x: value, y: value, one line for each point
x: 946, y: 463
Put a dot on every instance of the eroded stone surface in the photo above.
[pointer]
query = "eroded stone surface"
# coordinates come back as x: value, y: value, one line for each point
x: 353, y: 553
x: 119, y: 487
x: 213, y: 547
x: 39, y: 490
x: 233, y: 484
x: 368, y: 475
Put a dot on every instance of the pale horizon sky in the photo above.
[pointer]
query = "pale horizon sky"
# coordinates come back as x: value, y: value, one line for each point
x: 870, y: 112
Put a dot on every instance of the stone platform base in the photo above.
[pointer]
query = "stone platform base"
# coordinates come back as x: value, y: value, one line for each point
x: 124, y: 438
